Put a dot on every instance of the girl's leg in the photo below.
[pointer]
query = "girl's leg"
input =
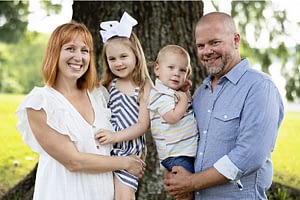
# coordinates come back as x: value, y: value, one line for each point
x: 122, y: 191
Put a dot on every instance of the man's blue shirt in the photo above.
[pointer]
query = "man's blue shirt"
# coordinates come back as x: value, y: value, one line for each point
x: 238, y: 123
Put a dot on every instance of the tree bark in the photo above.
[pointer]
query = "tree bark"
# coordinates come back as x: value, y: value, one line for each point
x: 24, y: 189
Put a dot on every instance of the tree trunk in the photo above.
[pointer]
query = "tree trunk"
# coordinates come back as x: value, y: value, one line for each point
x: 24, y: 189
x: 159, y: 23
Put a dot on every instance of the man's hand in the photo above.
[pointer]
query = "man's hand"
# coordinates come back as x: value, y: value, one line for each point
x: 178, y: 182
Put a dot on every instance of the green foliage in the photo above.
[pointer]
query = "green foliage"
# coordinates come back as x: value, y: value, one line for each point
x: 254, y: 14
x: 20, y: 72
x: 13, y: 20
x: 292, y: 77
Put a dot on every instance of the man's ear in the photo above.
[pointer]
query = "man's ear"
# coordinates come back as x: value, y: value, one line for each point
x: 237, y: 40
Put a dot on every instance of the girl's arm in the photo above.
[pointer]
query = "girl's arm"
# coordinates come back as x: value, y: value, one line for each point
x: 134, y: 131
x: 174, y: 115
x: 61, y: 148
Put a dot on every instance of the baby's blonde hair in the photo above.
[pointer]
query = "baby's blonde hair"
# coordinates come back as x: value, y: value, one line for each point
x: 176, y: 49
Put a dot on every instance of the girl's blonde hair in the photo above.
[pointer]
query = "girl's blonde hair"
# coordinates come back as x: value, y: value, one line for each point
x: 140, y: 73
x: 60, y: 36
x: 176, y: 49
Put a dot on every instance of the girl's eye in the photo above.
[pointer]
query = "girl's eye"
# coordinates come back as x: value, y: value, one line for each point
x: 111, y: 59
x: 170, y: 67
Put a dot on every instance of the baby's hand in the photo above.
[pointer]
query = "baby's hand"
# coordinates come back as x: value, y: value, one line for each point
x: 186, y: 86
x: 182, y: 95
x: 106, y: 137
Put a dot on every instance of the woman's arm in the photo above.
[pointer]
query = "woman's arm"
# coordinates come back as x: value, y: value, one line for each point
x: 61, y: 148
x: 134, y: 131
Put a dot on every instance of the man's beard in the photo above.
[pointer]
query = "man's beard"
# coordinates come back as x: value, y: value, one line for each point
x: 213, y: 70
x: 217, y: 69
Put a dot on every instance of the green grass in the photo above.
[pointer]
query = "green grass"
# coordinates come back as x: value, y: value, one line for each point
x: 286, y: 156
x: 17, y: 159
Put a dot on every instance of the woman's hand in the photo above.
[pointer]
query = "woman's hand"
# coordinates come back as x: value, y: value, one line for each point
x: 135, y: 166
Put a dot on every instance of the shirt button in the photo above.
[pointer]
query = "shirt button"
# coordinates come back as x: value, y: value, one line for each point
x: 204, y: 132
x: 209, y: 110
x: 225, y: 116
x: 200, y: 153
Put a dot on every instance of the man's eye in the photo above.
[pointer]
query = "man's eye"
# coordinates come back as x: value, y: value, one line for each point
x: 200, y: 46
x: 215, y: 43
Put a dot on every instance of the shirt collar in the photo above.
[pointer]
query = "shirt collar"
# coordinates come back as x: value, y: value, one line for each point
x: 234, y: 75
x: 161, y: 88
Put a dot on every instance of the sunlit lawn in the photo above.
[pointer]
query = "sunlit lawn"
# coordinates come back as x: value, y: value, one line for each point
x: 16, y: 158
x: 286, y: 157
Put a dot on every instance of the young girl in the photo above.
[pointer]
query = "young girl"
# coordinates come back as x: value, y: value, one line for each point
x: 126, y: 77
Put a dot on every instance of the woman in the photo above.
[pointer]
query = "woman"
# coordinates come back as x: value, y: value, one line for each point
x: 60, y: 119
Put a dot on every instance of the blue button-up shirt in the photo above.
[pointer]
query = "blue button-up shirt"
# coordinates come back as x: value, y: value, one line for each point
x: 238, y: 123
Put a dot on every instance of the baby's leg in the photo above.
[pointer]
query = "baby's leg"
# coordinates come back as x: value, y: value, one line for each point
x: 122, y: 191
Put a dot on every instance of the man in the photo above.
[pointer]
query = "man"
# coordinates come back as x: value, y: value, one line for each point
x: 238, y: 112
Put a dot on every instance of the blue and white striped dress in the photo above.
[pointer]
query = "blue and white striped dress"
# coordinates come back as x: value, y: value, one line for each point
x: 125, y: 110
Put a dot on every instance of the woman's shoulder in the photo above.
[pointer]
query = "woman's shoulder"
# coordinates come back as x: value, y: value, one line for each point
x: 100, y: 92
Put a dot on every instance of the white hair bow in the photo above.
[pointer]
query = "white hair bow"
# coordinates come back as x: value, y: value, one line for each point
x: 115, y: 28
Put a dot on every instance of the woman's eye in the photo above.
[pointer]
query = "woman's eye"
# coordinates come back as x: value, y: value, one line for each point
x: 71, y: 49
x: 85, y: 50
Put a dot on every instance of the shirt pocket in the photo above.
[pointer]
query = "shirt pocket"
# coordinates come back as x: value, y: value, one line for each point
x: 225, y: 125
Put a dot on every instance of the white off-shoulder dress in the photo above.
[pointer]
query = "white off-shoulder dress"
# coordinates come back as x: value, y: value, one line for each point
x: 53, y: 180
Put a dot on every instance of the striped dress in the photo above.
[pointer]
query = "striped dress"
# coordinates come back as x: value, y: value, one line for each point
x: 125, y: 110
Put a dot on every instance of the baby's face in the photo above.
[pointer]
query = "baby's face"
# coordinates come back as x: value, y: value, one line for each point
x: 172, y: 70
